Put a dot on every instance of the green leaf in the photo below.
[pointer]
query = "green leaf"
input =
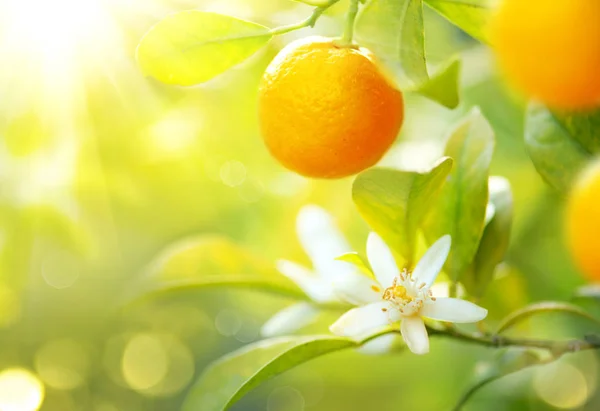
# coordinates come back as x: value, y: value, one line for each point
x: 557, y: 156
x: 394, y: 202
x: 542, y: 308
x: 227, y: 380
x: 443, y: 86
x: 585, y: 128
x: 192, y: 47
x: 210, y: 261
x: 460, y: 209
x: 358, y: 261
x: 495, y: 239
x: 471, y: 16
x: 394, y: 29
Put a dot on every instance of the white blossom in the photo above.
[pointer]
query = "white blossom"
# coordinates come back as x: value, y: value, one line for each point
x: 401, y: 296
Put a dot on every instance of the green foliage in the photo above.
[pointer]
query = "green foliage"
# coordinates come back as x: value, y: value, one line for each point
x: 495, y: 239
x: 404, y: 21
x: 358, y: 261
x: 583, y: 127
x: 211, y: 261
x: 192, y: 47
x: 394, y: 29
x: 543, y: 307
x: 461, y: 208
x: 394, y: 202
x: 470, y: 16
x: 233, y: 376
x: 557, y: 156
x: 443, y: 86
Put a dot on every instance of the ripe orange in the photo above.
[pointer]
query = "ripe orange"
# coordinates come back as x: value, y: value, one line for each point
x: 583, y: 221
x: 551, y: 50
x: 328, y: 111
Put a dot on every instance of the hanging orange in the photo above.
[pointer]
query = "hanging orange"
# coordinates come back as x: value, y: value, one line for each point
x: 328, y: 111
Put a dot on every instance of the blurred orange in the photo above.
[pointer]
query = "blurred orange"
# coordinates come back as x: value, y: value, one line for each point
x: 550, y: 49
x: 583, y: 221
x: 328, y: 111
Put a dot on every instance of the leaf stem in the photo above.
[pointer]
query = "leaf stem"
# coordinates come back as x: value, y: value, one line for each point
x: 348, y: 35
x: 308, y: 22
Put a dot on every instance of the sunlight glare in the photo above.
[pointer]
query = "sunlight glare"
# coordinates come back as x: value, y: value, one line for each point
x: 20, y: 390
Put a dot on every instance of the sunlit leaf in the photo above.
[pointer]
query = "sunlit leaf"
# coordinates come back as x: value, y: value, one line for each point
x: 211, y: 261
x: 460, y: 209
x: 583, y: 127
x: 192, y: 47
x: 358, y: 261
x: 471, y: 16
x: 443, y: 86
x: 495, y: 239
x: 230, y: 378
x: 394, y: 29
x: 394, y: 202
x: 543, y: 307
x: 557, y: 156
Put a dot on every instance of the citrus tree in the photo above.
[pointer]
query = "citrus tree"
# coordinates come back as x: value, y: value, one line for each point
x: 332, y: 107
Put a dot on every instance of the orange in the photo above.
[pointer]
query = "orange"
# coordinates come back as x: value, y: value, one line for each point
x: 328, y: 111
x: 583, y: 221
x: 550, y: 49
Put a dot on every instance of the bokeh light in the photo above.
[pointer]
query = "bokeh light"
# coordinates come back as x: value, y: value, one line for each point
x: 561, y: 385
x: 20, y: 390
x: 62, y: 364
x: 157, y: 365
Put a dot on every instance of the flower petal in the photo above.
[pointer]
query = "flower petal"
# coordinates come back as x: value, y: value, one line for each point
x: 315, y: 287
x: 381, y: 260
x: 289, y: 320
x: 360, y: 320
x: 322, y: 241
x: 415, y: 334
x: 453, y: 310
x: 358, y: 289
x: 430, y: 265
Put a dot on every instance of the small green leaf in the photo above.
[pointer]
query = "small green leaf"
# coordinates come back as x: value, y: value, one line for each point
x: 471, y: 16
x: 210, y: 261
x: 227, y: 380
x: 495, y: 239
x: 460, y: 209
x: 358, y: 261
x: 542, y: 308
x: 394, y: 29
x: 443, y: 86
x: 557, y: 156
x: 192, y: 47
x: 585, y: 128
x: 394, y: 202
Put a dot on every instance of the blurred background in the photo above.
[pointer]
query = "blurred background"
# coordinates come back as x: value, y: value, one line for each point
x: 101, y: 168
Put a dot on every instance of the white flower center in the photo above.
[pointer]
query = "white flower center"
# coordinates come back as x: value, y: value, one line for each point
x: 406, y: 295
